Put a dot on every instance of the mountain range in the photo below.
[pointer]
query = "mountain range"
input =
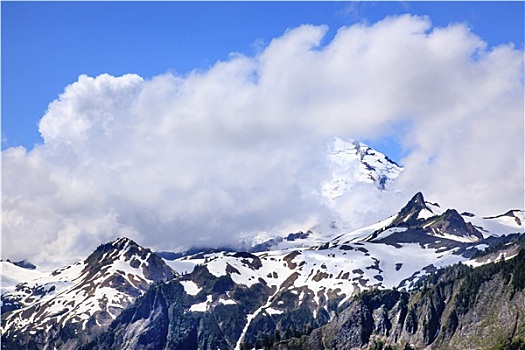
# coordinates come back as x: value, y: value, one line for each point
x: 424, y: 277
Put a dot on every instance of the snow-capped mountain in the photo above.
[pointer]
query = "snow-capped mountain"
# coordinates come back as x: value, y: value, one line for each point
x: 226, y: 300
x: 233, y: 299
x: 418, y: 217
x: 355, y: 171
x: 236, y: 300
x: 353, y: 162
x: 360, y: 180
x: 72, y: 304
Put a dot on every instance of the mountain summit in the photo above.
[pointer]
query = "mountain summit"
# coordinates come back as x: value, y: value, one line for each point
x: 124, y: 296
x: 353, y: 162
x: 240, y: 300
x: 413, y: 212
x: 75, y: 303
x: 422, y: 221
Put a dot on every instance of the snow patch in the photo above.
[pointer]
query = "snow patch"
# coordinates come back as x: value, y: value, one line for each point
x: 190, y: 287
x: 202, y: 307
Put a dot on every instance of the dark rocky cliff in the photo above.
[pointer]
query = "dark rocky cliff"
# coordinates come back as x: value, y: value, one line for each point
x: 456, y: 308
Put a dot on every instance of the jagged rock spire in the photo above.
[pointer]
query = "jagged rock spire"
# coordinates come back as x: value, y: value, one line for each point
x: 408, y: 215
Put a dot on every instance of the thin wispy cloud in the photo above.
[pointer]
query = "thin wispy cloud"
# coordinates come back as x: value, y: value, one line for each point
x: 351, y: 10
x: 208, y: 157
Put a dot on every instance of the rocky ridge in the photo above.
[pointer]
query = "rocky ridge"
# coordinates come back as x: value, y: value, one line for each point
x: 73, y: 304
x: 456, y: 308
x: 289, y: 291
x: 240, y: 300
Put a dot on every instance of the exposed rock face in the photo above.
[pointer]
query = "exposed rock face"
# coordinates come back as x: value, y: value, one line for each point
x: 418, y: 218
x: 74, y: 304
x: 168, y: 318
x: 409, y: 215
x: 454, y: 308
x: 458, y: 308
x: 306, y: 297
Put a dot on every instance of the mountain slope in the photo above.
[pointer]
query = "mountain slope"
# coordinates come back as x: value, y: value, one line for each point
x: 238, y: 300
x: 13, y: 274
x: 73, y: 304
x: 203, y: 311
x: 228, y: 300
x: 355, y: 172
x: 353, y: 162
x: 460, y: 308
x: 418, y: 217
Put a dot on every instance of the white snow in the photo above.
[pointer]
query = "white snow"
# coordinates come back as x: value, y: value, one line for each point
x: 191, y: 287
x: 272, y: 311
x: 389, y: 232
x: 500, y: 225
x: 11, y: 275
x: 355, y: 167
x: 425, y: 214
x: 480, y: 246
x: 249, y: 319
x: 482, y: 261
x: 363, y: 233
x: 182, y: 266
x: 202, y: 307
x: 463, y: 239
x: 227, y: 301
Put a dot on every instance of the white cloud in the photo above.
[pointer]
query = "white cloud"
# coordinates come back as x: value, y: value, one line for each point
x: 203, y: 158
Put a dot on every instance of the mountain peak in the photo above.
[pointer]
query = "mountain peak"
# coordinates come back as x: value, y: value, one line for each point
x: 123, y: 242
x: 409, y: 215
x: 23, y: 264
x: 126, y: 250
x: 355, y: 163
x: 418, y: 199
x: 416, y: 202
x: 417, y: 217
x: 452, y: 224
x: 108, y: 281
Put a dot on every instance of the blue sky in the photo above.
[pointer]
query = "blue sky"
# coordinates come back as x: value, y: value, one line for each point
x: 47, y: 45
